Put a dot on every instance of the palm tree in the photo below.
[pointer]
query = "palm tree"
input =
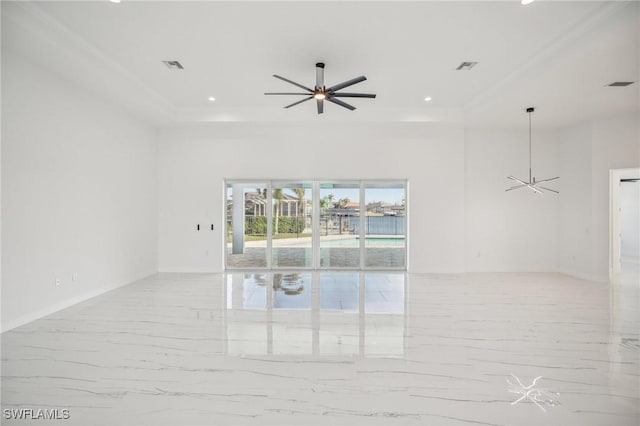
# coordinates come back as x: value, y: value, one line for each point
x: 300, y: 193
x: 330, y: 197
x: 277, y: 196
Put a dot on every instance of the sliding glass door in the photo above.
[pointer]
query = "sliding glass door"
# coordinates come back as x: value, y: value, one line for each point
x: 246, y: 225
x: 316, y: 224
x: 339, y: 225
x: 385, y: 225
x: 292, y: 245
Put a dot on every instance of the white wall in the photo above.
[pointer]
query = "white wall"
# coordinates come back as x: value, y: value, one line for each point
x: 461, y: 217
x: 587, y: 152
x: 515, y: 230
x: 575, y: 238
x: 195, y: 160
x: 79, y: 194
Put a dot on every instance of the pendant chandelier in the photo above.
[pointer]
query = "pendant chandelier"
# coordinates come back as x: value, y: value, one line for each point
x: 532, y: 183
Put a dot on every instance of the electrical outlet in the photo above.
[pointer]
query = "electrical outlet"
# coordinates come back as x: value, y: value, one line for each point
x: 74, y: 277
x: 58, y: 282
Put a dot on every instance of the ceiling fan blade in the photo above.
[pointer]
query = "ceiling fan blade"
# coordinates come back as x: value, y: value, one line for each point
x: 320, y: 106
x: 547, y: 180
x: 299, y: 102
x: 353, y: 95
x: 547, y: 189
x: 342, y: 104
x: 346, y: 83
x: 293, y: 82
x: 305, y: 94
x: 319, y: 75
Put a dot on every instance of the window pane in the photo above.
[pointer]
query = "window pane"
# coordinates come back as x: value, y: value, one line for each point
x: 246, y: 225
x: 292, y: 210
x: 385, y: 225
x: 339, y: 218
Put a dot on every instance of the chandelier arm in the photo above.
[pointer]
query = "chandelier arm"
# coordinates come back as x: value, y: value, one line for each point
x: 518, y: 180
x: 534, y: 189
x: 515, y: 187
x: 547, y: 180
x: 547, y: 189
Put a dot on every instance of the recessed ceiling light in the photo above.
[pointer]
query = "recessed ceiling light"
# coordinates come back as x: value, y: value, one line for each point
x: 526, y: 2
x: 427, y: 99
x: 114, y: 1
x: 212, y: 99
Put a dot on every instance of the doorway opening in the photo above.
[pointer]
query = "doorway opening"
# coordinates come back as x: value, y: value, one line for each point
x: 624, y: 246
x: 316, y: 224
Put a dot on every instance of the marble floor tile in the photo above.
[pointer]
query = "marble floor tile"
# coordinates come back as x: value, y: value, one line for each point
x: 333, y: 348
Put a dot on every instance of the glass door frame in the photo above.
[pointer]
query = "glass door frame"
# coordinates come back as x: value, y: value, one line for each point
x: 363, y: 239
x: 282, y: 183
x: 317, y: 258
x: 315, y: 221
x: 243, y: 183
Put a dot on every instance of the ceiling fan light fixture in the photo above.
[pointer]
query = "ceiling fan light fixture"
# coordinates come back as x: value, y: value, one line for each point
x: 320, y: 96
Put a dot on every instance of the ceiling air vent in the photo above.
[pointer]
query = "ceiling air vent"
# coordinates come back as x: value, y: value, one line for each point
x: 466, y: 66
x: 621, y: 83
x: 174, y: 65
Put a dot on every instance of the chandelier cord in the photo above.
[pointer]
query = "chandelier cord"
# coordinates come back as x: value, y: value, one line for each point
x: 530, y: 147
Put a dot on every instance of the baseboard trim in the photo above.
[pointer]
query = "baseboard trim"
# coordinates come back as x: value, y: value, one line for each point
x: 583, y: 276
x: 511, y: 269
x: 41, y: 313
x: 189, y: 271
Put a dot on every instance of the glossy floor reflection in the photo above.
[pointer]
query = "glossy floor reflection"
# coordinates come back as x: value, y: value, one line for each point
x: 334, y: 348
x: 315, y: 314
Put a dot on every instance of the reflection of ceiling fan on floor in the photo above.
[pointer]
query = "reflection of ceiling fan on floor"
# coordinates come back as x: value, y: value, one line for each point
x: 321, y: 94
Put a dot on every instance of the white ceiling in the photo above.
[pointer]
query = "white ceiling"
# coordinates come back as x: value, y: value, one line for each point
x: 557, y: 56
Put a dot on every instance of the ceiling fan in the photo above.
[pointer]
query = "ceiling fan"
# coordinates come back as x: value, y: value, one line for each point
x: 321, y: 93
x: 532, y: 184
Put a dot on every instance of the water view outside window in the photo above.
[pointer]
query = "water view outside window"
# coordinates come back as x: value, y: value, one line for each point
x: 385, y: 225
x: 316, y: 224
x: 339, y: 216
